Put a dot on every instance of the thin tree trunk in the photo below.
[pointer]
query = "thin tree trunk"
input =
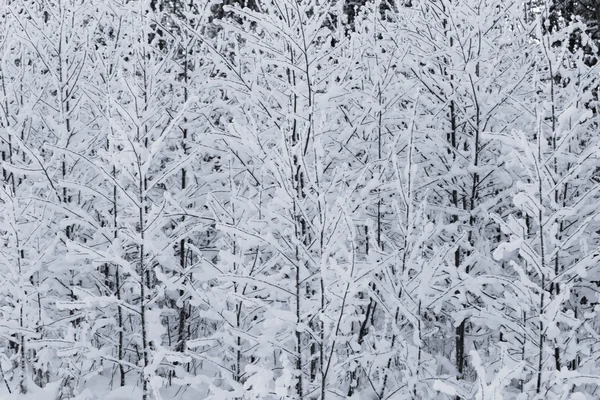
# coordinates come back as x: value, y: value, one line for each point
x: 121, y: 334
x: 182, y: 249
x: 143, y: 274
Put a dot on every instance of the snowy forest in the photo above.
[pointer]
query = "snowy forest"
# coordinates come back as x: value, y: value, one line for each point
x: 300, y: 199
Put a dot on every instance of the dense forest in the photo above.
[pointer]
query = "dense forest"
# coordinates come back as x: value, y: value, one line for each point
x: 299, y: 199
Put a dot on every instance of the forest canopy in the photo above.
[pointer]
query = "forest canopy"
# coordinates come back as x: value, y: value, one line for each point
x: 299, y: 199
